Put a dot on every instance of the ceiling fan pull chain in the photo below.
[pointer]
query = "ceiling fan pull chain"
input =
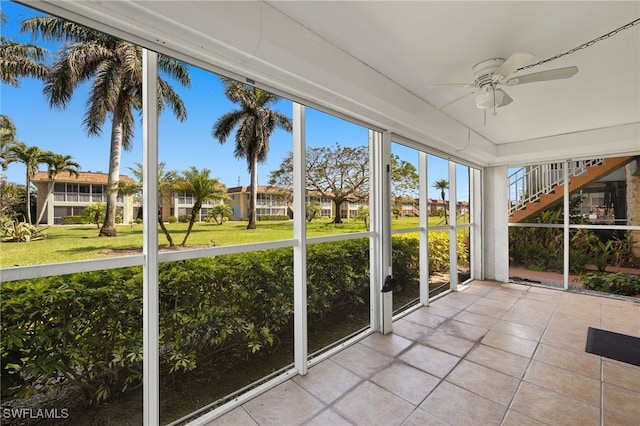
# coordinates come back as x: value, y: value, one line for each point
x: 584, y: 45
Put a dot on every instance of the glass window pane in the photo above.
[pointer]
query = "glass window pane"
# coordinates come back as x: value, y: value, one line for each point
x: 338, y: 296
x: 225, y: 323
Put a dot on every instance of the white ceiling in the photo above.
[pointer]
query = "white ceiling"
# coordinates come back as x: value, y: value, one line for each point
x: 372, y: 61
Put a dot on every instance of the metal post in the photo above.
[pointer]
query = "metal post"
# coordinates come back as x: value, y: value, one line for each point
x: 150, y: 296
x: 299, y: 234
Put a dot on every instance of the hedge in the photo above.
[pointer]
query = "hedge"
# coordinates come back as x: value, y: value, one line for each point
x: 86, y: 328
x: 75, y: 220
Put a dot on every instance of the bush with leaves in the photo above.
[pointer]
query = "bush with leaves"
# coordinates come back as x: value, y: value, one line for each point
x: 618, y: 283
x: 21, y: 232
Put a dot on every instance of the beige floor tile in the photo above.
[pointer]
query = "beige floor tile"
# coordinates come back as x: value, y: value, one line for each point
x: 327, y: 381
x: 621, y: 401
x: 456, y: 300
x: 326, y: 418
x: 509, y: 343
x: 582, y: 363
x: 362, y: 360
x: 464, y: 330
x: 287, y: 403
x: 235, y: 417
x: 448, y: 343
x: 499, y: 360
x: 519, y: 330
x: 571, y: 339
x: 614, y: 419
x: 621, y: 374
x: 572, y: 385
x: 493, y: 385
x: 553, y: 409
x: 458, y: 406
x: 422, y: 418
x: 441, y: 310
x: 406, y: 381
x: 387, y: 344
x: 426, y: 317
x: 514, y: 418
x: 526, y: 317
x: 369, y: 404
x: 432, y: 361
x: 502, y: 303
x: 475, y: 319
x: 411, y: 330
x: 486, y: 310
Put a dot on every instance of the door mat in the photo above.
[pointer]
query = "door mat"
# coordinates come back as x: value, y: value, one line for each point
x: 613, y: 345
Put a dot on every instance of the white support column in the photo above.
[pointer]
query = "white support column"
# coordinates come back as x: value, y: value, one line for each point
x: 424, y: 227
x: 496, y: 224
x: 381, y: 307
x: 565, y: 180
x: 453, y: 231
x: 475, y: 198
x: 150, y: 294
x: 299, y: 234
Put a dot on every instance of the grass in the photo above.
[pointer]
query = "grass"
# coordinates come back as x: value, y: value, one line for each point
x: 81, y: 242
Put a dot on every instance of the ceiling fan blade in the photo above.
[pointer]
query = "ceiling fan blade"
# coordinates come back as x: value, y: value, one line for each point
x: 512, y: 63
x: 556, y: 74
x: 451, y: 85
x: 455, y: 100
x: 506, y: 99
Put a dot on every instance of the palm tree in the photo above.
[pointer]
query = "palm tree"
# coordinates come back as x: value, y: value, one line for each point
x: 203, y: 188
x: 255, y: 123
x: 220, y: 211
x: 166, y: 183
x: 442, y: 184
x: 7, y: 137
x: 31, y: 157
x: 57, y: 163
x: 115, y: 69
x: 19, y: 60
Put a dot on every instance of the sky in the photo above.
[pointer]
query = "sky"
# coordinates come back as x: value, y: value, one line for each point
x: 180, y: 144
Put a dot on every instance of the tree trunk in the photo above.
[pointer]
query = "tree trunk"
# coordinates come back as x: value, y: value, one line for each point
x: 109, y: 226
x: 45, y: 203
x: 194, y: 213
x: 336, y: 217
x: 164, y: 228
x: 253, y: 197
x: 28, y: 200
x: 633, y: 206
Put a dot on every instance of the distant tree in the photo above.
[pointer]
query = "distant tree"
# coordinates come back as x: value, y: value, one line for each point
x: 95, y: 212
x: 56, y: 164
x: 363, y: 215
x: 31, y: 157
x: 12, y: 199
x: 340, y: 174
x: 312, y: 211
x: 219, y: 212
x: 442, y: 185
x: 166, y: 184
x: 202, y: 188
x: 404, y: 182
x: 395, y: 211
x: 115, y: 69
x: 255, y: 122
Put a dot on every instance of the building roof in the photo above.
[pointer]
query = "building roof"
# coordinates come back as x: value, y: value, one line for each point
x: 83, y: 177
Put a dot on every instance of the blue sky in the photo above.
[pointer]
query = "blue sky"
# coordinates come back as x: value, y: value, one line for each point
x: 181, y: 144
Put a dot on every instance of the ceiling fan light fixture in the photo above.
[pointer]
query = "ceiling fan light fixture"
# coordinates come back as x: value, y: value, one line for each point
x: 490, y: 99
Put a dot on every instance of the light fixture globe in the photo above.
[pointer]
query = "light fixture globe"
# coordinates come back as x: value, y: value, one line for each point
x: 490, y: 98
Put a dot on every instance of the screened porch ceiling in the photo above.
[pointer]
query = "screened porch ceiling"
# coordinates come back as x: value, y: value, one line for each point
x: 372, y: 61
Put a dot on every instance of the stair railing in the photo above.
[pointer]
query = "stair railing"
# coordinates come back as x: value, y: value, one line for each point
x: 528, y: 183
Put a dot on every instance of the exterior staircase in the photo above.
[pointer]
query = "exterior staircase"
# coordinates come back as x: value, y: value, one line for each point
x: 533, y: 189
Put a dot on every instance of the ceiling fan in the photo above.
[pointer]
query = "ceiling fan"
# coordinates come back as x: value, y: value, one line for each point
x: 489, y: 75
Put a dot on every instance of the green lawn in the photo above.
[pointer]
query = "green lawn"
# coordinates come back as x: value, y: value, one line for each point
x: 70, y: 243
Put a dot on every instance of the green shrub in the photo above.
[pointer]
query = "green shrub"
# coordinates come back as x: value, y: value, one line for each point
x: 173, y: 219
x: 138, y: 221
x: 184, y: 218
x: 21, y: 232
x: 618, y: 283
x: 273, y: 217
x: 118, y: 219
x: 75, y: 220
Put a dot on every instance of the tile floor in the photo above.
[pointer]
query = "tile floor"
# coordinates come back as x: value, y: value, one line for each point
x: 493, y: 354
